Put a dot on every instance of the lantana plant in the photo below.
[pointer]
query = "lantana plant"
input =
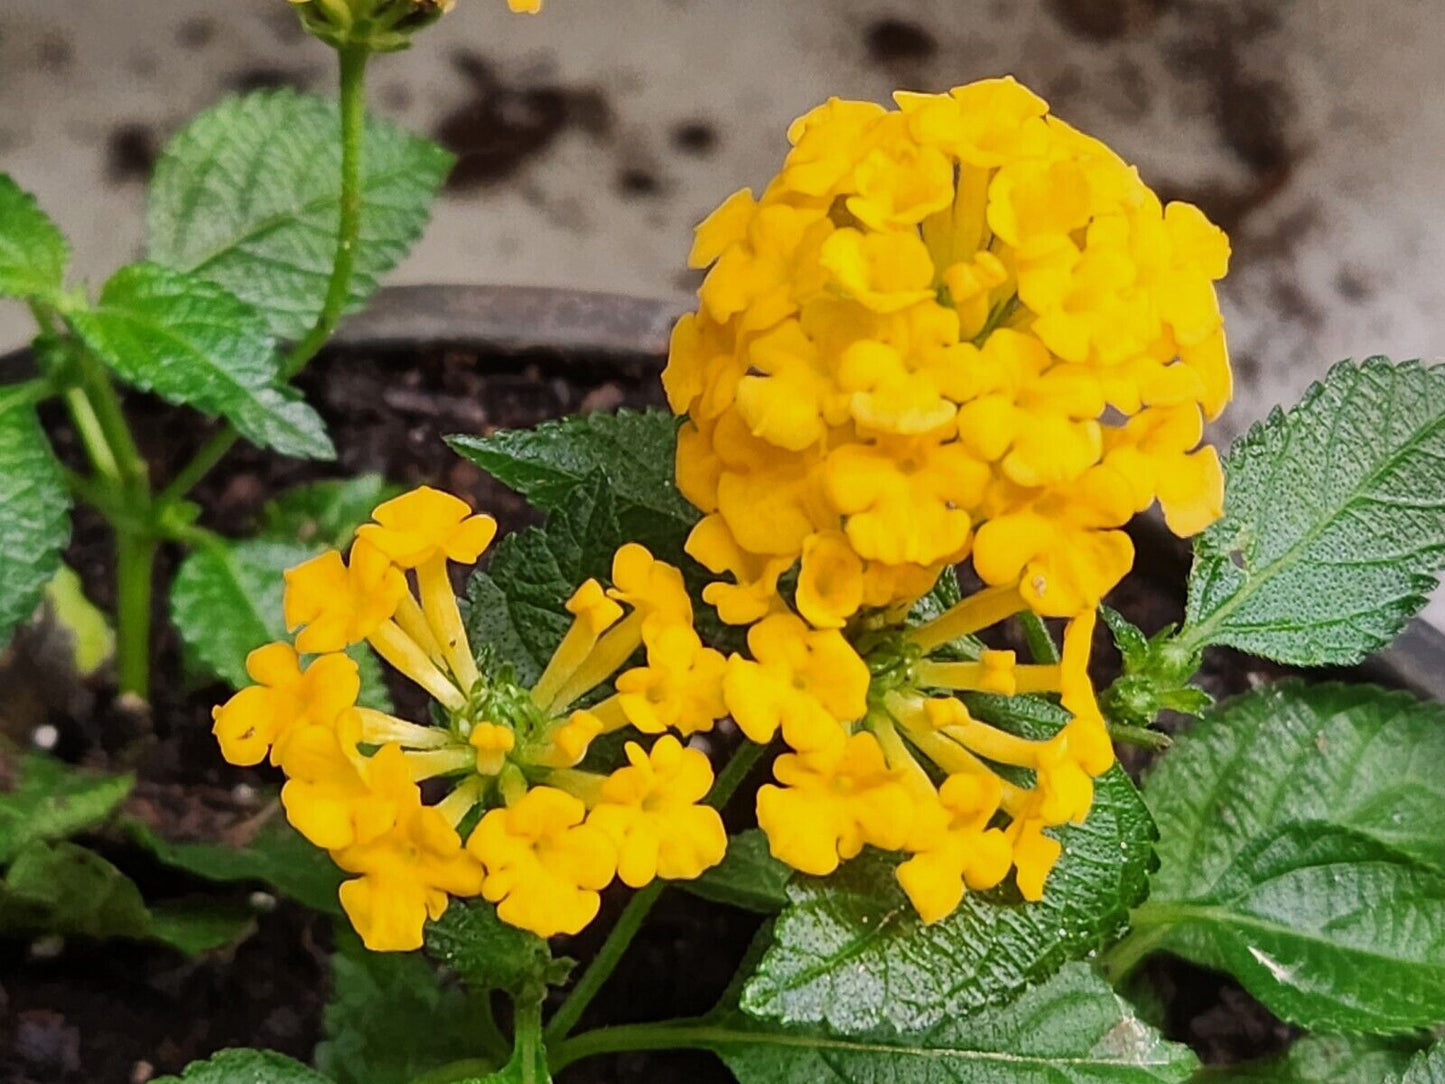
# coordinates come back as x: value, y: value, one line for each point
x: 935, y: 370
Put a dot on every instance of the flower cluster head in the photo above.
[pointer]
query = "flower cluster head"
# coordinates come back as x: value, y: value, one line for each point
x: 509, y: 812
x: 380, y: 25
x: 959, y: 327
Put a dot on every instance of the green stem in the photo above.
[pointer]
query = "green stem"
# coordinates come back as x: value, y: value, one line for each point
x: 455, y: 1072
x: 636, y: 911
x: 528, y: 1038
x: 673, y: 1035
x: 106, y: 405
x: 135, y: 565
x: 488, y: 1033
x: 353, y: 138
x: 1150, y: 924
x: 1141, y: 736
x: 1036, y: 635
x: 338, y: 289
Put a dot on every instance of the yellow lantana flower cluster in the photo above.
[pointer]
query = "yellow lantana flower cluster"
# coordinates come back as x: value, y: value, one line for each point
x: 957, y: 327
x: 883, y: 752
x: 517, y: 821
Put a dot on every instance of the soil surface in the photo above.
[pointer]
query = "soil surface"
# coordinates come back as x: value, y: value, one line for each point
x: 127, y: 1012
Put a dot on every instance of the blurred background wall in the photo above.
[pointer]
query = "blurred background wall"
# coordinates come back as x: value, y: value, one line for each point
x: 593, y: 137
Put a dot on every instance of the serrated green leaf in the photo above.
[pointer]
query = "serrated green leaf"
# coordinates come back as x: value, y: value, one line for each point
x: 390, y: 1019
x: 249, y: 197
x: 33, y: 253
x: 195, y: 344
x: 226, y: 602
x: 748, y: 877
x: 46, y: 799
x: 35, y: 525
x: 1303, y: 848
x: 1334, y: 521
x: 325, y: 513
x: 1070, y: 1030
x: 490, y: 955
x: 65, y: 889
x: 246, y: 1067
x: 1326, y: 1059
x: 1428, y: 1067
x: 849, y: 951
x: 277, y: 855
x: 516, y: 608
x: 633, y: 450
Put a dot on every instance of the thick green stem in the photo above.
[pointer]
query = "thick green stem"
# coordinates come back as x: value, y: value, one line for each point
x: 636, y: 911
x: 134, y: 567
x: 338, y: 289
x: 673, y: 1035
x: 528, y: 1038
x: 1150, y: 925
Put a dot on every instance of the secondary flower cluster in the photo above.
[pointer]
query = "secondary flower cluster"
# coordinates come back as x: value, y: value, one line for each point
x: 864, y: 729
x: 380, y: 25
x: 542, y: 836
x: 956, y: 327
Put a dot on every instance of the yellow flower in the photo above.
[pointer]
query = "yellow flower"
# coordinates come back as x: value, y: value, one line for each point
x: 336, y: 797
x: 958, y: 850
x: 417, y: 526
x: 1034, y: 855
x: 833, y: 802
x: 680, y: 688
x: 830, y: 582
x: 544, y: 866
x: 525, y: 7
x: 800, y: 680
x: 754, y: 594
x: 341, y: 603
x: 407, y: 876
x: 650, y: 810
x: 653, y: 588
x: 284, y: 699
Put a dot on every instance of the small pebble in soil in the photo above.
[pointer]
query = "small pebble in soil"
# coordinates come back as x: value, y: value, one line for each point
x: 47, y: 947
x: 263, y: 902
x: 45, y: 737
x: 142, y: 1073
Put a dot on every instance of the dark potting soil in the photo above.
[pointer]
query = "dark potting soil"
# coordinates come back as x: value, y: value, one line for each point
x: 127, y: 1012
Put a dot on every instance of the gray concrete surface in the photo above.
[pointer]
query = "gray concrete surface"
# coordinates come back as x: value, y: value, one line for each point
x: 594, y: 136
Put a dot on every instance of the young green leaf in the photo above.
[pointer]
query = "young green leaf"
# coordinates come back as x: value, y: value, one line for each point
x: 849, y: 951
x: 35, y: 525
x: 748, y: 877
x: 1326, y: 1059
x: 1072, y: 1029
x: 249, y: 196
x: 633, y: 450
x: 246, y: 1067
x: 47, y: 799
x: 516, y: 608
x: 33, y: 253
x: 1334, y: 521
x: 242, y: 582
x: 193, y: 343
x: 88, y: 627
x: 277, y: 856
x: 490, y: 955
x: 65, y: 889
x: 390, y: 1019
x: 1303, y: 848
x: 325, y: 513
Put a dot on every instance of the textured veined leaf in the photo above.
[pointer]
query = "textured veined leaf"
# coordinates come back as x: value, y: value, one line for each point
x: 850, y: 952
x: 1072, y: 1029
x: 327, y: 512
x: 1334, y: 520
x: 33, y: 252
x: 1325, y: 1059
x: 35, y: 521
x: 226, y: 602
x: 249, y: 196
x: 1301, y: 849
x: 748, y: 877
x: 247, y: 1067
x: 194, y: 343
x: 47, y: 799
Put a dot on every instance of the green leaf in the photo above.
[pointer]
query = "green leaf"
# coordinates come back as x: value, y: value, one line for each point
x: 390, y: 1019
x: 325, y: 513
x: 226, y: 602
x: 35, y: 525
x: 1334, y: 521
x: 277, y: 855
x: 1071, y: 1030
x: 748, y: 877
x: 1427, y: 1068
x: 249, y: 197
x: 193, y: 343
x: 490, y: 955
x: 89, y: 629
x: 516, y: 608
x: 33, y: 253
x: 633, y: 450
x: 849, y: 951
x: 65, y: 889
x: 47, y: 799
x: 1327, y: 1059
x: 1303, y: 849
x: 246, y: 1067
